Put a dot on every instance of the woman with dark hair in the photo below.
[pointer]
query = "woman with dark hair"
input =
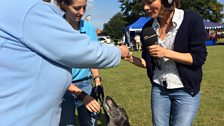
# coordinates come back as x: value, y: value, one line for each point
x: 174, y: 65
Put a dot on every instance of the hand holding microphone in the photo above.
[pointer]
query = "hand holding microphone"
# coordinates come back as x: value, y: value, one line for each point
x: 157, y: 51
x: 150, y: 41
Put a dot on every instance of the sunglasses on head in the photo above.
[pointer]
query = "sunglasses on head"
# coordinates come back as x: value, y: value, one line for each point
x: 77, y: 8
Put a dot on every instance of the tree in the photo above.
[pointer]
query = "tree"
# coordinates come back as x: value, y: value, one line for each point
x: 132, y: 10
x: 208, y: 9
x: 115, y: 27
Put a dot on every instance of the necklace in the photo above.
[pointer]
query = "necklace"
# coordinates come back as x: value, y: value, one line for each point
x: 165, y: 25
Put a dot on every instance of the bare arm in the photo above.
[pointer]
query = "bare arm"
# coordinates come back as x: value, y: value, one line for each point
x: 184, y: 58
x: 96, y: 75
x: 140, y: 62
x: 158, y: 51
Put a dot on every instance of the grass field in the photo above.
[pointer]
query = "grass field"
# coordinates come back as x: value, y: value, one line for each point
x: 130, y: 87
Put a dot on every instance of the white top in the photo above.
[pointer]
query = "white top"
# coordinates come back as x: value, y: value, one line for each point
x: 137, y: 38
x: 169, y: 71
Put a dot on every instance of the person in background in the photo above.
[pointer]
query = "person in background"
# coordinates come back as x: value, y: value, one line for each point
x: 137, y: 42
x: 88, y: 18
x: 38, y: 49
x: 82, y: 78
x: 174, y: 65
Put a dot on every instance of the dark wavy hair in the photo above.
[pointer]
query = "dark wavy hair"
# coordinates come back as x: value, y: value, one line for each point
x: 177, y: 3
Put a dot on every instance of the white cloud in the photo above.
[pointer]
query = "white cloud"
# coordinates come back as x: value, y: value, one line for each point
x: 90, y: 8
x: 90, y: 5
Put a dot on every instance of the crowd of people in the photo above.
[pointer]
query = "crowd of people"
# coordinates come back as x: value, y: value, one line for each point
x: 50, y: 59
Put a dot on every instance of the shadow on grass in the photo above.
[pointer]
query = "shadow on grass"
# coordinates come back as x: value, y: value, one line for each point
x: 101, y: 121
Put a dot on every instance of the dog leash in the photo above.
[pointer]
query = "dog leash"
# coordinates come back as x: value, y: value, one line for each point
x: 99, y: 95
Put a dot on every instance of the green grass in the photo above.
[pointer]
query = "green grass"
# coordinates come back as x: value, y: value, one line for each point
x: 220, y: 40
x: 130, y: 87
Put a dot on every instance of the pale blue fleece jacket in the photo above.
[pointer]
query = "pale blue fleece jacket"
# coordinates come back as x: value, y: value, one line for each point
x: 38, y: 48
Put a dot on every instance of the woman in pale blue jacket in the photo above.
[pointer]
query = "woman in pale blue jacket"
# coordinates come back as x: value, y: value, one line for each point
x: 38, y: 48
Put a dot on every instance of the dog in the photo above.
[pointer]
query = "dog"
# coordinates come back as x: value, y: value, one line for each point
x: 117, y: 115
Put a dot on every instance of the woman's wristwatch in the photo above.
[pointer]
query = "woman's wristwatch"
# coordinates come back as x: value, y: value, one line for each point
x: 97, y: 77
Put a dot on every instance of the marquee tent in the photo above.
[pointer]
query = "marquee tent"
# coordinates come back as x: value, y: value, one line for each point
x: 138, y: 24
x: 134, y: 27
x: 212, y: 25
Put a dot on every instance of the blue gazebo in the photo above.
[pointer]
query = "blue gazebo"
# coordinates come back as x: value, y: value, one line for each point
x: 133, y: 28
x: 138, y: 24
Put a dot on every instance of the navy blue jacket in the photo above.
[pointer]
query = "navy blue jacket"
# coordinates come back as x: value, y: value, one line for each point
x: 190, y: 38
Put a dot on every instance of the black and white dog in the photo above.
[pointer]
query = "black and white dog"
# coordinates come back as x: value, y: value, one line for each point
x: 117, y: 115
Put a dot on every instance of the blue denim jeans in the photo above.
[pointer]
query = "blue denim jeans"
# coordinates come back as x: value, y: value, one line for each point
x: 70, y: 104
x: 173, y: 107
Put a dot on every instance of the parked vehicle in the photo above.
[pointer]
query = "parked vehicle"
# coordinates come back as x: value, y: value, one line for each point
x: 104, y: 39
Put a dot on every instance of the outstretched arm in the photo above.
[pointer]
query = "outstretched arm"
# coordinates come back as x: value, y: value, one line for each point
x: 140, y: 62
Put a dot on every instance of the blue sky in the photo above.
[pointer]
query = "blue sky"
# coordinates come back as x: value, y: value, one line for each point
x: 102, y: 10
x: 222, y: 1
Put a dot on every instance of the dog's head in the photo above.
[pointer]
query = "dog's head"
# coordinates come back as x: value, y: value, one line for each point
x: 117, y: 115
